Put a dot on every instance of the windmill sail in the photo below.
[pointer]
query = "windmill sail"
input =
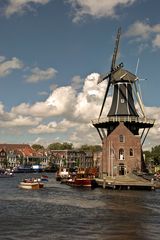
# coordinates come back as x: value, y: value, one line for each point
x: 116, y: 49
x: 113, y: 70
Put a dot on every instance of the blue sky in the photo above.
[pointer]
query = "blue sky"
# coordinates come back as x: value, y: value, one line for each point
x: 51, y: 54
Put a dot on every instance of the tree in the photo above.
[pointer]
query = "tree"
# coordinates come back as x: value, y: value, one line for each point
x: 153, y: 156
x: 66, y: 145
x: 148, y: 159
x: 37, y: 147
x: 54, y: 146
x: 92, y: 148
x: 155, y: 152
x: 60, y: 146
x: 148, y: 156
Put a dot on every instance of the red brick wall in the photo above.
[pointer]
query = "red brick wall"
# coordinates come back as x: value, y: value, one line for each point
x: 110, y: 156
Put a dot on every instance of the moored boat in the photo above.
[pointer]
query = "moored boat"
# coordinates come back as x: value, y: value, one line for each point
x: 6, y: 174
x: 62, y: 174
x: 23, y: 169
x: 81, y: 179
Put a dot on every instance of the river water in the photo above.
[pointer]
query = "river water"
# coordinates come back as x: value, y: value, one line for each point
x: 62, y: 212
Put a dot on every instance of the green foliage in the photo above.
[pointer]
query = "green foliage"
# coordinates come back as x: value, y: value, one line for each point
x: 148, y: 157
x: 69, y: 146
x: 37, y: 147
x: 92, y: 148
x: 156, y: 154
x: 60, y: 146
x: 66, y: 145
x: 153, y: 155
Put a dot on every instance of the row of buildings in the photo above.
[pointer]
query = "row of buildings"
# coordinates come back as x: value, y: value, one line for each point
x: 14, y: 155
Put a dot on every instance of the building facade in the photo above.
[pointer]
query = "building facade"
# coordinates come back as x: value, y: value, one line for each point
x: 71, y: 158
x: 14, y: 155
x: 121, y: 153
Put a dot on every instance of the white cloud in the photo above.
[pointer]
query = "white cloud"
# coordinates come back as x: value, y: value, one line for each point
x: 90, y: 99
x: 11, y: 119
x: 154, y: 133
x: 41, y: 75
x: 84, y: 134
x: 139, y: 29
x: 53, y: 127
x: 156, y: 41
x: 76, y: 109
x: 145, y: 32
x: 19, y: 121
x: 39, y: 109
x: 1, y: 108
x: 2, y: 59
x: 62, y: 100
x: 7, y: 66
x: 66, y: 103
x: 96, y: 8
x: 153, y: 112
x: 20, y: 6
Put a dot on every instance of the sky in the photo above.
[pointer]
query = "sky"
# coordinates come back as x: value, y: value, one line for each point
x: 51, y: 55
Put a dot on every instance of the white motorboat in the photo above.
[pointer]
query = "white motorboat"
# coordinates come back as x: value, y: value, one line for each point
x: 33, y: 184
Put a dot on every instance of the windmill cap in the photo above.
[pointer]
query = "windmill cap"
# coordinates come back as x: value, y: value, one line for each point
x: 123, y: 75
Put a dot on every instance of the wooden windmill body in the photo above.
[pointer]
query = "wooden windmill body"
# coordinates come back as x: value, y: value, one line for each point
x: 124, y: 129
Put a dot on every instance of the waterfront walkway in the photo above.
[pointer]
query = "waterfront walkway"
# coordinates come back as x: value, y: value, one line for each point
x: 126, y: 182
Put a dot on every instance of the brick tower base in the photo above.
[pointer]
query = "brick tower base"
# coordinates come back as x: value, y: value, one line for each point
x: 122, y: 153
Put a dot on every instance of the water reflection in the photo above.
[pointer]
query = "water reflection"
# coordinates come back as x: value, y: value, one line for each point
x: 62, y: 212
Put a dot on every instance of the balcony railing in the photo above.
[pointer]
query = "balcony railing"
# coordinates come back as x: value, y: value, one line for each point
x: 123, y: 119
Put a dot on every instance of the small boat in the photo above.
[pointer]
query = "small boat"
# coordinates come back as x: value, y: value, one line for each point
x: 62, y: 174
x: 23, y: 169
x: 6, y: 174
x: 81, y: 179
x: 33, y: 184
x: 44, y: 178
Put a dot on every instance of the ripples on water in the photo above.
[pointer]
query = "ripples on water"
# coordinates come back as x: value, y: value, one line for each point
x: 61, y: 212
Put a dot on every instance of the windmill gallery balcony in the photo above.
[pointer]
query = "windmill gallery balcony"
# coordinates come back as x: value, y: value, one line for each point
x: 103, y: 122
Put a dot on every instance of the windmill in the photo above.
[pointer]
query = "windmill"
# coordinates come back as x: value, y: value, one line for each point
x: 122, y: 110
x: 119, y: 75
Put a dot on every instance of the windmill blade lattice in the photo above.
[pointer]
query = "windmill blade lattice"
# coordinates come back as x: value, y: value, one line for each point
x: 112, y: 71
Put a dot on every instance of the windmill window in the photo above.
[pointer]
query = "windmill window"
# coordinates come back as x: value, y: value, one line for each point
x: 121, y: 138
x: 121, y: 154
x: 131, y: 153
x: 122, y: 100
